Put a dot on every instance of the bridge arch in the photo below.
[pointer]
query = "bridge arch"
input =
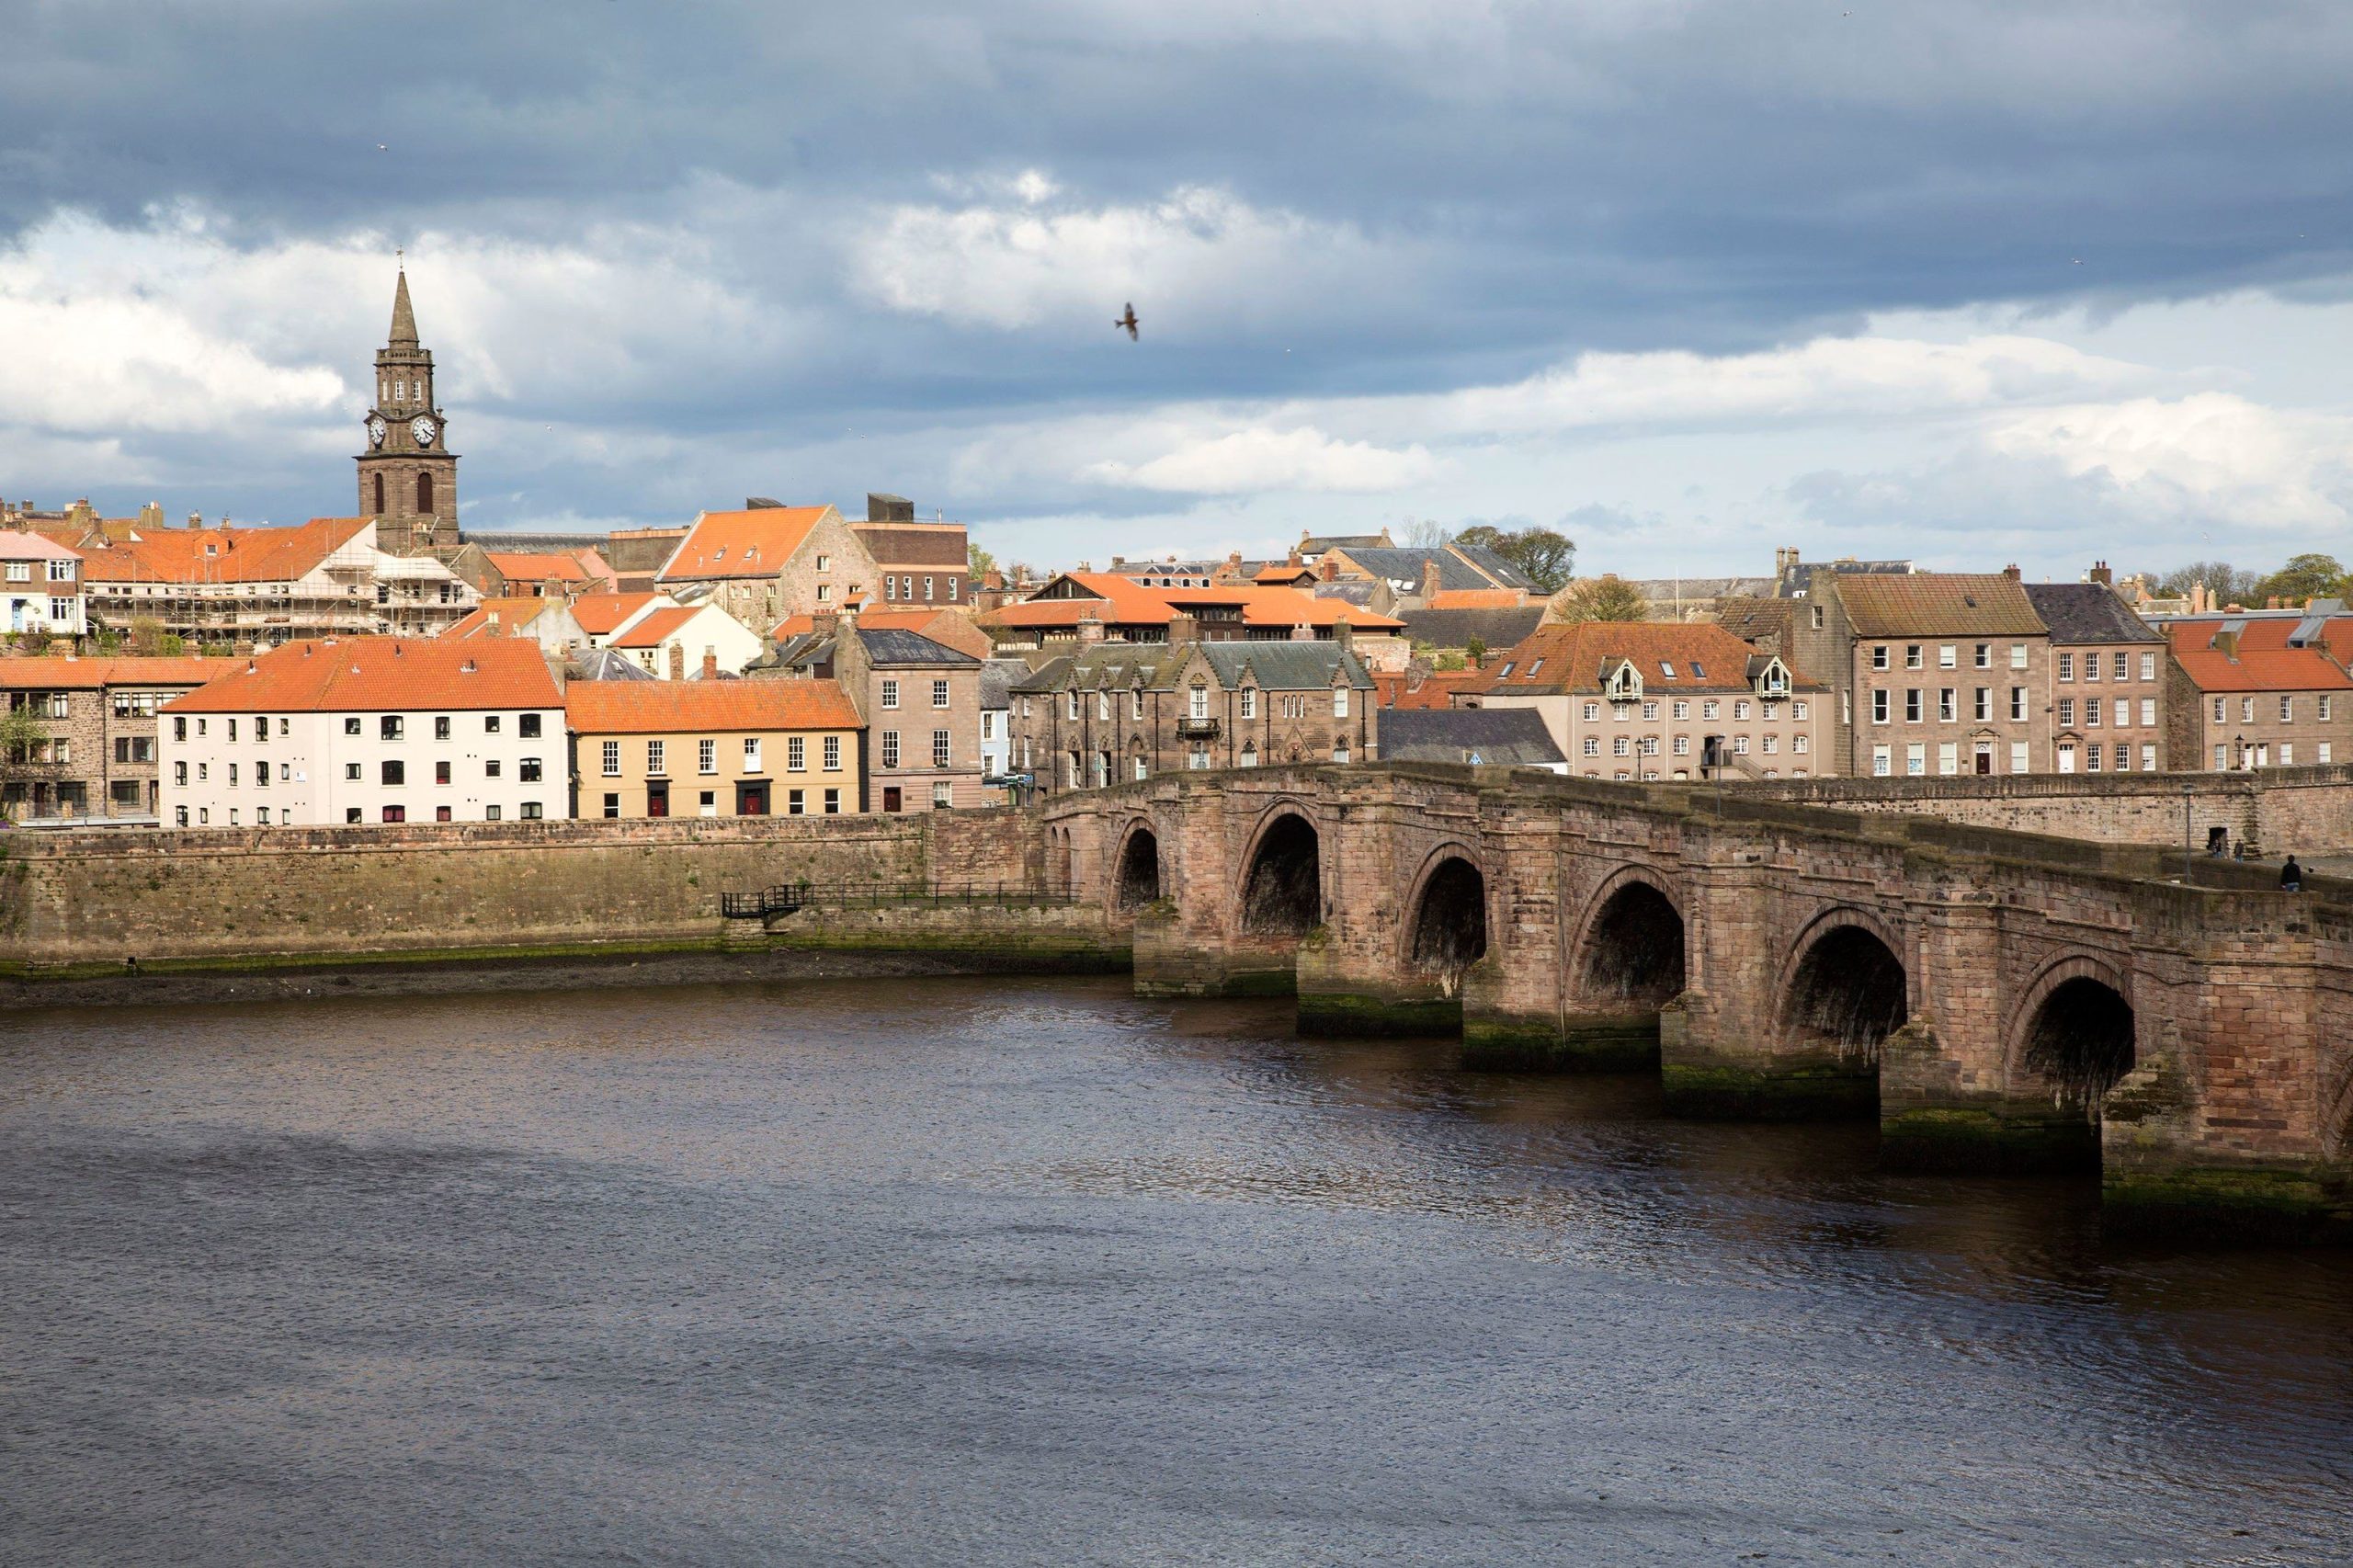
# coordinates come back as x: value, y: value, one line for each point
x: 1844, y: 986
x: 1630, y: 946
x: 1135, y: 878
x: 1282, y: 877
x: 1445, y: 930
x: 2075, y: 1033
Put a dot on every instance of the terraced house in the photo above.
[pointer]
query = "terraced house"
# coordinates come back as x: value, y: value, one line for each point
x: 742, y: 748
x: 1116, y: 713
x: 1950, y: 675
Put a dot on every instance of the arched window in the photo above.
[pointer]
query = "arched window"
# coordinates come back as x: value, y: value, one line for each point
x: 424, y: 494
x: 380, y: 495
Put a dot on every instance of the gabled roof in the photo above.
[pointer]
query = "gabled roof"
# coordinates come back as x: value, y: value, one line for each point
x: 512, y: 614
x: 1497, y: 629
x: 753, y: 544
x: 894, y: 646
x: 609, y: 663
x: 378, y: 675
x: 1408, y: 566
x: 1494, y: 565
x: 1938, y: 604
x: 538, y: 566
x: 1285, y: 666
x: 2255, y: 666
x: 656, y: 625
x: 17, y: 546
x: 224, y: 555
x: 1263, y: 606
x: 1110, y: 598
x: 1498, y: 736
x: 2088, y: 612
x: 601, y: 614
x: 667, y: 706
x: 1671, y: 656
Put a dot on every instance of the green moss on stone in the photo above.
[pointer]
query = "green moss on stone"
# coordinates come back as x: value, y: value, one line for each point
x: 1529, y: 1045
x: 1333, y: 1013
x: 1983, y: 1139
x: 2230, y: 1206
x: 1800, y: 1092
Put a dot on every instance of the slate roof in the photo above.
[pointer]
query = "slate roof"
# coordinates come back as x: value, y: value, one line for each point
x: 1407, y: 566
x: 1751, y: 618
x: 1938, y: 604
x: 893, y: 645
x: 1798, y: 579
x: 1512, y: 737
x: 1498, y: 628
x: 1494, y: 565
x: 1287, y: 666
x: 2088, y: 612
x: 997, y: 678
x: 1310, y: 544
x: 611, y: 664
x: 1664, y: 590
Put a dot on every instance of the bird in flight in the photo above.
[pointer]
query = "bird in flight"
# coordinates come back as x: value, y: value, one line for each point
x: 1128, y: 321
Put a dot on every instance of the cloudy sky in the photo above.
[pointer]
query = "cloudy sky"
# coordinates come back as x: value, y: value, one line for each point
x: 1974, y: 282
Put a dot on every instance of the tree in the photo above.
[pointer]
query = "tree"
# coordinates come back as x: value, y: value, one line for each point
x: 1602, y: 598
x: 2225, y: 582
x: 1477, y: 648
x: 21, y: 729
x: 981, y: 560
x: 2303, y: 579
x: 1544, y: 555
x: 147, y: 638
x: 1423, y: 533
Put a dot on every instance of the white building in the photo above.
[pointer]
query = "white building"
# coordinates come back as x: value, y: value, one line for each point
x: 370, y: 730
x: 678, y: 643
x: 323, y: 578
x: 40, y: 586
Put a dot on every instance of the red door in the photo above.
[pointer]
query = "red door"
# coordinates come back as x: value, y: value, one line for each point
x: 657, y: 800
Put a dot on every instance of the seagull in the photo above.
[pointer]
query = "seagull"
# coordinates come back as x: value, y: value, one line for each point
x: 382, y: 148
x: 2076, y: 260
x: 1128, y: 321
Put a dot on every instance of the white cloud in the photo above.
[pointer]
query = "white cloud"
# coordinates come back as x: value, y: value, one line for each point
x: 1244, y: 461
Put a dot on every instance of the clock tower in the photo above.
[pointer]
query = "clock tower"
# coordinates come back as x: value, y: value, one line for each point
x: 408, y: 476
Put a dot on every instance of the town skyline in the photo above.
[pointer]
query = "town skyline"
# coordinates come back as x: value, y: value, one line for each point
x: 1381, y: 308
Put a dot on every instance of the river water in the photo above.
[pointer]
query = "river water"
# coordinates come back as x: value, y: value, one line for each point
x: 1027, y: 1271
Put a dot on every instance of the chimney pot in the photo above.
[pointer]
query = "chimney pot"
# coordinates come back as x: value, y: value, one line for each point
x: 2011, y: 572
x: 710, y: 664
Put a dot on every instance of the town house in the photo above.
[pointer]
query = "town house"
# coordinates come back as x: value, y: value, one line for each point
x: 41, y: 588
x: 919, y: 699
x: 97, y: 753
x: 767, y: 561
x: 1950, y: 673
x: 2261, y: 691
x: 915, y: 563
x: 2108, y: 680
x: 369, y: 730
x: 738, y: 748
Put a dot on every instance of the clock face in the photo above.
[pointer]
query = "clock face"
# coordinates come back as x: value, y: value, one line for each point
x: 376, y: 432
x: 422, y: 429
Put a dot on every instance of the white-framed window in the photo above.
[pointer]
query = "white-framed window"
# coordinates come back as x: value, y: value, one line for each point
x: 1916, y: 758
x: 657, y: 758
x: 2247, y: 710
x: 1879, y: 655
x: 832, y: 754
x: 1197, y: 703
x: 707, y: 756
x: 1249, y: 754
x: 2148, y: 668
x: 609, y: 756
x: 939, y: 752
x: 1948, y: 757
x: 1340, y: 702
x: 2120, y: 665
x: 1103, y: 706
x: 796, y: 754
x: 890, y: 693
x: 890, y: 749
x: 1912, y: 657
x: 1740, y: 709
x: 1249, y: 702
x: 1798, y: 744
x: 825, y: 562
x: 752, y: 753
x: 1948, y: 657
x: 1135, y: 703
x: 1710, y: 708
x: 1879, y: 705
x: 2018, y: 655
x: 1593, y: 745
x: 1681, y: 746
x: 2222, y: 757
x: 1981, y: 656
x: 1740, y: 745
x: 2219, y: 716
x: 1771, y: 743
x: 2287, y: 754
x: 2066, y: 667
x: 1983, y: 707
x: 1912, y: 709
x: 1593, y: 712
x: 1142, y: 764
x: 2286, y: 709
x: 1070, y: 704
x: 2325, y: 704
x: 2066, y: 713
x: 2092, y: 706
x: 1681, y: 709
x: 1621, y: 746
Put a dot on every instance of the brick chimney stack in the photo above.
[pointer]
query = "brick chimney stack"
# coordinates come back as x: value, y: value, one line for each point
x: 2012, y: 571
x: 711, y: 663
x: 1327, y: 568
x: 1183, y: 629
x: 2102, y: 576
x: 1090, y: 629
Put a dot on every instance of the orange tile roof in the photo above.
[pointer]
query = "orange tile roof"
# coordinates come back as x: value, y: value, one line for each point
x: 1120, y: 602
x: 1280, y: 573
x: 740, y: 544
x: 873, y: 620
x: 538, y: 566
x: 657, y: 624
x: 1436, y: 691
x: 513, y: 616
x: 1573, y: 656
x: 2279, y: 668
x: 1477, y: 599
x: 1265, y: 606
x: 378, y: 675
x: 669, y: 706
x: 600, y: 613
x: 76, y: 674
x: 1938, y: 604
x: 238, y: 555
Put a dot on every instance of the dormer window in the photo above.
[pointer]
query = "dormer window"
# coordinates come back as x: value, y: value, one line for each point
x: 1625, y: 682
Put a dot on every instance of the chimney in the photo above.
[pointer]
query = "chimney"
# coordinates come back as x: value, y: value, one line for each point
x: 1327, y: 568
x: 2198, y: 598
x: 2011, y: 572
x: 1343, y: 634
x: 151, y: 515
x: 1302, y: 632
x: 1429, y: 580
x: 2101, y: 574
x: 1783, y: 559
x: 1090, y: 629
x: 1118, y: 561
x: 711, y: 663
x: 1292, y: 560
x: 885, y: 508
x: 195, y: 519
x: 2271, y: 603
x: 2227, y: 644
x: 1183, y: 629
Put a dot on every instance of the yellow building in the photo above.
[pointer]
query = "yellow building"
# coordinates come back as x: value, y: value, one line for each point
x: 732, y: 749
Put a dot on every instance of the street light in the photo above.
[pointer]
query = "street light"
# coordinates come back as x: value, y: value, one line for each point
x: 2187, y: 791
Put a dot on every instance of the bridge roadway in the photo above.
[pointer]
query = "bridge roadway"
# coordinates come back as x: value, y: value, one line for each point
x: 2000, y: 1000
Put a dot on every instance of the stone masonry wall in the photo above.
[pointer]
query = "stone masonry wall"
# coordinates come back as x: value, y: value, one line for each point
x: 101, y: 896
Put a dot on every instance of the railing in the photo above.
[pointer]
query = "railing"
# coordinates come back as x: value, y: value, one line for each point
x: 1197, y: 729
x: 789, y: 898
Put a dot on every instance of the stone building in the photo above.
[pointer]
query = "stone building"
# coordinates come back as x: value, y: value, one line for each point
x: 2108, y: 680
x: 408, y: 476
x: 2268, y: 692
x: 1950, y: 673
x: 1116, y: 713
x: 1657, y: 700
x: 766, y: 562
x: 915, y: 563
x: 1085, y: 608
x: 920, y: 701
x: 713, y: 748
x: 98, y: 757
x: 369, y: 730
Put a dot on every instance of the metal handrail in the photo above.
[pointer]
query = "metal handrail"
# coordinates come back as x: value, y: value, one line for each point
x: 787, y: 898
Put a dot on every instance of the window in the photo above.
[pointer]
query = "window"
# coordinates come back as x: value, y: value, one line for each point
x: 350, y: 770
x: 1073, y: 704
x: 441, y: 727
x: 1649, y: 745
x: 939, y: 748
x: 20, y: 571
x: 1198, y: 703
x: 2324, y: 750
x: 796, y: 754
x: 1593, y: 745
x: 1249, y: 755
x: 610, y: 752
x: 1740, y: 745
x: 351, y: 813
x: 393, y: 772
x: 832, y: 754
x: 351, y: 726
x: 1880, y: 762
x: 2148, y: 668
x: 1682, y: 745
x: 657, y: 758
x: 2066, y: 667
x: 612, y: 805
x: 1249, y: 702
x: 2018, y: 655
x: 1620, y: 747
x: 890, y: 693
x: 1948, y: 757
x: 441, y: 769
x: 2066, y: 713
x: 2120, y: 665
x: 528, y: 728
x: 752, y: 754
x: 390, y: 727
x: 1135, y: 709
x: 400, y: 813
x: 2222, y: 754
x: 2018, y: 756
x: 1739, y: 709
x: 2247, y: 710
x: 1103, y: 706
x: 951, y: 590
x: 1340, y: 750
x: 832, y: 803
x: 1798, y: 744
x: 1912, y: 705
x: 2149, y: 711
x: 1681, y: 709
x: 1142, y: 766
x: 531, y: 810
x: 2092, y: 757
x: 493, y: 813
x: 60, y: 609
x: 2091, y: 711
x: 1799, y: 709
x: 926, y: 589
x: 1983, y: 706
x: 1916, y: 758
x: 490, y: 768
x: 1878, y: 656
x: 1710, y: 708
x: 135, y: 748
x: 179, y: 726
x: 1982, y: 655
x: 796, y: 802
x: 2287, y: 754
x: 1879, y: 706
x: 2286, y: 709
x: 179, y: 773
x: 824, y: 593
x: 490, y: 724
x: 1912, y: 657
x: 825, y: 562
x: 61, y: 571
x: 943, y: 795
x: 2325, y: 704
x: 1948, y: 655
x: 1649, y: 710
x: 1197, y: 758
x: 1340, y: 702
x: 1664, y: 668
x: 707, y: 756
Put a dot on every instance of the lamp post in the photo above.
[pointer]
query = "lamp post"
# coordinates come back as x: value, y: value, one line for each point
x: 2187, y: 863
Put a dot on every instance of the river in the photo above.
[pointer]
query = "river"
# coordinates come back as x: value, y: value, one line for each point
x: 951, y: 1272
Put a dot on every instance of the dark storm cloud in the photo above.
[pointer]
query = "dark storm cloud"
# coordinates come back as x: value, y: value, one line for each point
x: 1510, y: 183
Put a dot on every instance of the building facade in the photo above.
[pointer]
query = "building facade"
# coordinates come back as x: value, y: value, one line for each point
x: 689, y: 641
x: 915, y: 563
x: 1950, y: 675
x: 369, y: 730
x: 921, y: 703
x: 97, y: 754
x: 2110, y: 679
x: 766, y: 562
x: 1659, y: 700
x: 41, y: 587
x: 2250, y: 693
x: 750, y: 748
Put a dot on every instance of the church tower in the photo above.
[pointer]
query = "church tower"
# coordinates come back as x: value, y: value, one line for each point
x: 408, y: 476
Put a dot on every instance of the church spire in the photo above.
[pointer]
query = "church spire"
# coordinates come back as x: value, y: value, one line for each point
x: 404, y: 319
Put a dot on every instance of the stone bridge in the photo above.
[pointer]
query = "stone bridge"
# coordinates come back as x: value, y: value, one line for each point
x: 1998, y: 1000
